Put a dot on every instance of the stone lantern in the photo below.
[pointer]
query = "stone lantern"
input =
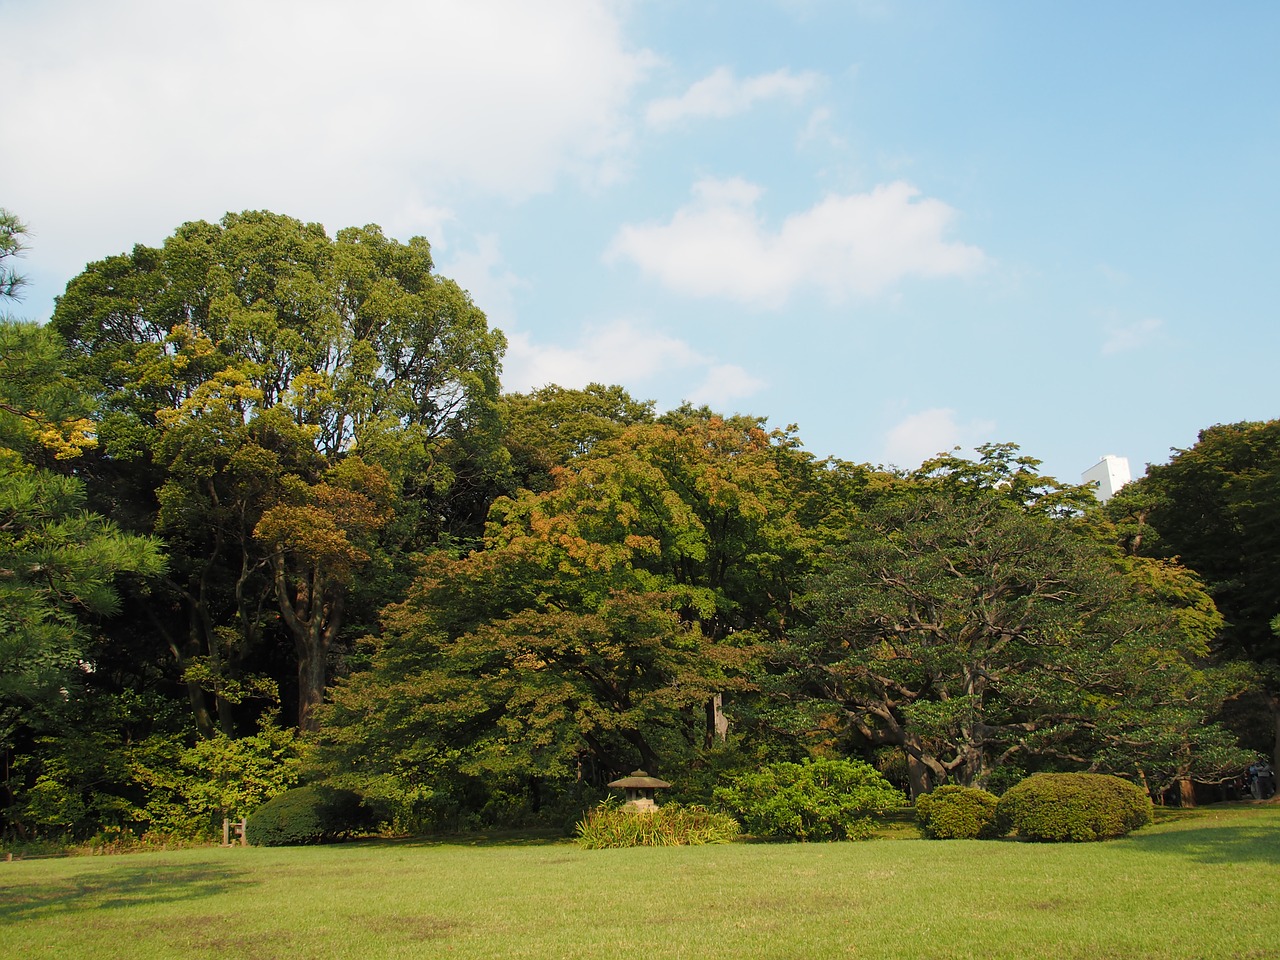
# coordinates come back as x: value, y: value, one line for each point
x: 640, y: 788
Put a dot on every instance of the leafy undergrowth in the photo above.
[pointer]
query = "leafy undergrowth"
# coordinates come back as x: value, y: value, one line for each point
x: 609, y: 826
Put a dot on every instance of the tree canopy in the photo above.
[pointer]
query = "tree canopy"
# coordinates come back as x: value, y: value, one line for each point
x: 966, y: 624
x: 1215, y: 507
x: 260, y: 471
x: 601, y: 623
x: 288, y: 402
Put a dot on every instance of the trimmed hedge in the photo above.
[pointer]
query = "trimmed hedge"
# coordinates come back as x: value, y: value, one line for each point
x: 1076, y: 807
x: 304, y: 815
x: 957, y: 813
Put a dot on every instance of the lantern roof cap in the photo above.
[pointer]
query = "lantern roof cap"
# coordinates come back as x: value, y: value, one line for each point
x: 639, y: 779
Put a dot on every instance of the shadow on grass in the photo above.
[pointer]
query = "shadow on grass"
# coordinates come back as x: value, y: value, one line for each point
x: 114, y: 888
x: 486, y: 838
x: 1216, y: 845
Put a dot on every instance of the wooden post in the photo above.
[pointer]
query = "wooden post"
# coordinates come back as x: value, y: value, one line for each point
x: 240, y: 828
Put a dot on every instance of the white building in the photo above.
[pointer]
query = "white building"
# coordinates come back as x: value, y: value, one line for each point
x: 1107, y: 476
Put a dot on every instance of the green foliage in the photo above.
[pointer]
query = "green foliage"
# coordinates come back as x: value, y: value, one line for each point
x: 1216, y: 506
x: 304, y: 815
x: 812, y: 800
x: 62, y: 566
x: 610, y: 825
x: 953, y: 812
x: 59, y: 568
x: 972, y: 620
x: 598, y: 621
x: 238, y: 369
x: 122, y: 763
x: 1003, y: 777
x: 1076, y: 807
x: 44, y: 411
x: 229, y: 777
x: 13, y: 233
x: 548, y: 428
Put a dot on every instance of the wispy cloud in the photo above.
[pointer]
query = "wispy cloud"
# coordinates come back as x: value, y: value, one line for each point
x: 618, y: 352
x: 483, y: 273
x: 723, y: 94
x: 627, y: 353
x: 1133, y: 336
x: 920, y: 436
x: 725, y: 384
x: 851, y: 244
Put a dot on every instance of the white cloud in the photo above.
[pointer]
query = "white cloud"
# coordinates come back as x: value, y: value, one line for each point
x: 854, y: 244
x: 922, y: 435
x: 724, y: 385
x: 618, y: 352
x: 722, y: 94
x: 1121, y: 339
x: 139, y: 114
x: 483, y: 273
x: 418, y: 219
x: 623, y: 352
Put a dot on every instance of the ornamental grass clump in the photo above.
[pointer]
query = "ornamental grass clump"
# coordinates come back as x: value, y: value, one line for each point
x: 813, y: 800
x: 957, y: 813
x: 609, y: 825
x: 1078, y: 807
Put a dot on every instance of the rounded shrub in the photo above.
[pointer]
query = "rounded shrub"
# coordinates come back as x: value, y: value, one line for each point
x: 311, y: 814
x: 813, y: 800
x: 957, y: 813
x: 1077, y: 807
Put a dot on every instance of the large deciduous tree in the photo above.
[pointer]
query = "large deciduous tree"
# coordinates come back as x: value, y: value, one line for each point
x: 975, y: 622
x: 1216, y: 507
x: 547, y: 428
x: 239, y: 368
x: 601, y: 621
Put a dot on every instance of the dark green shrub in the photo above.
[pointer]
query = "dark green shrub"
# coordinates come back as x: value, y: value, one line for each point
x: 610, y: 825
x: 957, y: 813
x: 1002, y: 778
x: 311, y: 814
x: 1072, y: 806
x: 813, y: 800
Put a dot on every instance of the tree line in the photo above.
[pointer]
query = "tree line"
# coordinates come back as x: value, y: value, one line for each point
x: 266, y: 516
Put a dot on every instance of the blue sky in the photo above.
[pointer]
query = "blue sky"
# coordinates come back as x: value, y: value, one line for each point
x: 900, y: 226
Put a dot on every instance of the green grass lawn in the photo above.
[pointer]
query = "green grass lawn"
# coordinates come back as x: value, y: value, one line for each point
x: 1199, y: 885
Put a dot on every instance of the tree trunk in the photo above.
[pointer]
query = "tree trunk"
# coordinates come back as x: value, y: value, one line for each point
x: 1186, y: 792
x: 200, y: 710
x: 648, y: 759
x: 1186, y: 788
x: 921, y: 776
x: 311, y: 681
x: 314, y: 620
x: 717, y: 722
x: 195, y: 692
